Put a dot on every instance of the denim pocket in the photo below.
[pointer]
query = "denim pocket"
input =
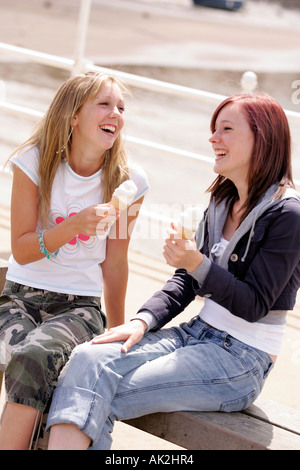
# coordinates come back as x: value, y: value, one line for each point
x: 239, y: 403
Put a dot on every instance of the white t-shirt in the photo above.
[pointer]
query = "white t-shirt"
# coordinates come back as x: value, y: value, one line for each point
x: 77, y: 267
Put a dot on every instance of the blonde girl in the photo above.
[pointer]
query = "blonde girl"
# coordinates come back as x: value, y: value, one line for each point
x: 67, y: 244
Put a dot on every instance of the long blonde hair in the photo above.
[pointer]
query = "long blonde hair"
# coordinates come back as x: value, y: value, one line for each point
x: 52, y: 136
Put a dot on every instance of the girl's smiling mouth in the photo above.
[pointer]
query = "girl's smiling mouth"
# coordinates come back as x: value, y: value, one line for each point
x: 220, y: 153
x: 108, y: 128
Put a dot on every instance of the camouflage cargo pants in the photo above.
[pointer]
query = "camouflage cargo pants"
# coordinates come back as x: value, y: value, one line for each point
x: 38, y: 331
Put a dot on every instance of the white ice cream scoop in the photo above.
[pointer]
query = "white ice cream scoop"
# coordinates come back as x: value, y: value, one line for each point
x: 189, y: 221
x: 123, y: 195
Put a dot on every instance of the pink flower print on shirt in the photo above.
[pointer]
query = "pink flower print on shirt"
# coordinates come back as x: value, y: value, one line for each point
x: 80, y: 240
x: 81, y: 236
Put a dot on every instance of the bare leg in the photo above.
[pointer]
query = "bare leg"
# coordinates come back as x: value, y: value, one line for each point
x: 67, y: 436
x: 17, y: 425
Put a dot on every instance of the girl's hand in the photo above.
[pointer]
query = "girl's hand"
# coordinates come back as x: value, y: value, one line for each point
x: 95, y: 220
x: 131, y: 333
x: 181, y: 253
x: 108, y: 216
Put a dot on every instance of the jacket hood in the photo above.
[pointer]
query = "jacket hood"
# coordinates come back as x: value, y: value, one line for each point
x: 216, y: 216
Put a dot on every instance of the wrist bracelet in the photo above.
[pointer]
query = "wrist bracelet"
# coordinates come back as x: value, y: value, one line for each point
x: 43, y: 248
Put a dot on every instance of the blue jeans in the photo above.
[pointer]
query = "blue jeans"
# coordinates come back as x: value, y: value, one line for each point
x: 192, y: 367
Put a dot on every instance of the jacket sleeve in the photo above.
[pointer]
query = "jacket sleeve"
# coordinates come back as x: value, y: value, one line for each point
x: 172, y: 299
x: 273, y: 271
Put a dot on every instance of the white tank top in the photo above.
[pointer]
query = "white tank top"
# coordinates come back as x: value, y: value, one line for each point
x: 261, y: 335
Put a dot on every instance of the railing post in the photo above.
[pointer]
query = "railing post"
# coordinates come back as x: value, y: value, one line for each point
x: 84, y: 13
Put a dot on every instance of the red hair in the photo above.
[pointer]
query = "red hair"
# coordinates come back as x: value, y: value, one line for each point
x: 271, y: 157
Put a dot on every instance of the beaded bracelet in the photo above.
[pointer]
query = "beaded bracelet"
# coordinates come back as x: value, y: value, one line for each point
x: 43, y: 248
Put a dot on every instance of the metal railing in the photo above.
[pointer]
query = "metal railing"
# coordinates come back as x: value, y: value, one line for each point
x: 79, y: 64
x: 133, y: 80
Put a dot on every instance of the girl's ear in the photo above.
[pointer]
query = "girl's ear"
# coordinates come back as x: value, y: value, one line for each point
x: 74, y: 121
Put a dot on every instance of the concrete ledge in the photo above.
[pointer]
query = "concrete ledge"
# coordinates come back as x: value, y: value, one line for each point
x: 265, y: 425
